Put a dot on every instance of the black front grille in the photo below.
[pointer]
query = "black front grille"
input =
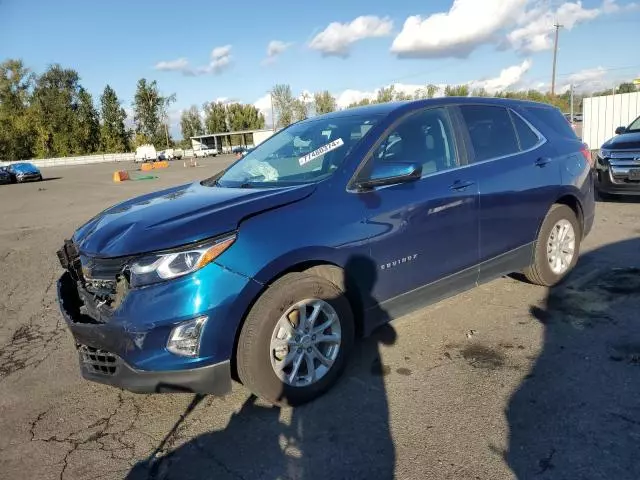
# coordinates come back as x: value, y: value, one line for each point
x: 98, y: 361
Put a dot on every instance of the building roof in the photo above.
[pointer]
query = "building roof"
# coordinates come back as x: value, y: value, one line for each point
x: 238, y: 132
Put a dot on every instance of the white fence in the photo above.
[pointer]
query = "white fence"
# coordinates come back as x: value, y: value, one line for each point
x: 602, y: 115
x: 86, y: 159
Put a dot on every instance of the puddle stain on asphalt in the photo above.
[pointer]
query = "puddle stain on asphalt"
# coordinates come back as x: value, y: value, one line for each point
x: 482, y: 356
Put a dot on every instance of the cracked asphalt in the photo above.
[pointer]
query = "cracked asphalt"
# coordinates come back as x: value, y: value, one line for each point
x: 505, y: 381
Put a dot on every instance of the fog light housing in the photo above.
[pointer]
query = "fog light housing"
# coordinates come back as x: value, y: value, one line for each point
x: 184, y: 339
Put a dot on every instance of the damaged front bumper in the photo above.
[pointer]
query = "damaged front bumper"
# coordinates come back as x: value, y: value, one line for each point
x: 126, y: 346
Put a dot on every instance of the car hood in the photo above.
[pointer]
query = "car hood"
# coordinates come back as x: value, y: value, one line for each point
x: 178, y: 216
x: 624, y: 141
x: 24, y: 168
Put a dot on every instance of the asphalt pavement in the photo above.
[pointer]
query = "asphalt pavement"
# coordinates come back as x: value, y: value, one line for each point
x: 505, y: 381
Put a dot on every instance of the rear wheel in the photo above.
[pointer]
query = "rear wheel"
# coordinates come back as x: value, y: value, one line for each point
x: 557, y: 247
x: 295, y: 341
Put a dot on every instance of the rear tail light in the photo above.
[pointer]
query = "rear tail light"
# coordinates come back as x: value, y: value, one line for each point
x: 587, y: 155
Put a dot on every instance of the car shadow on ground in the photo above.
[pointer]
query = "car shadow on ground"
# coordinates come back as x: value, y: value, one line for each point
x: 342, y: 435
x: 576, y: 415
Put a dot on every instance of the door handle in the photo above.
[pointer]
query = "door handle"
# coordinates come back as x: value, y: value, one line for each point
x: 542, y: 161
x: 459, y: 185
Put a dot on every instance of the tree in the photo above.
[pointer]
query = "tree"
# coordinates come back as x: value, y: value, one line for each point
x: 301, y: 107
x: 324, y: 102
x: 402, y: 96
x: 150, y: 111
x: 456, y: 91
x: 479, y: 92
x: 626, y: 87
x: 215, y: 117
x: 283, y: 104
x: 17, y: 134
x: 361, y: 103
x: 87, y: 134
x: 113, y: 134
x: 191, y: 123
x: 386, y: 94
x: 254, y: 119
x: 53, y: 112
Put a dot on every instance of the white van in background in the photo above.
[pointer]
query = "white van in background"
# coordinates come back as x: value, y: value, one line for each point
x: 146, y: 153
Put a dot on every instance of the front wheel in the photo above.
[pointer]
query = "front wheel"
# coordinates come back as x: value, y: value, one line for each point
x: 295, y: 341
x: 557, y: 247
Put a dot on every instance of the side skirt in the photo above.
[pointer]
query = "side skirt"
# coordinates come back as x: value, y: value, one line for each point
x: 406, y: 303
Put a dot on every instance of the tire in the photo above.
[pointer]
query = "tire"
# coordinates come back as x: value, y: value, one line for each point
x: 255, y: 357
x: 540, y: 271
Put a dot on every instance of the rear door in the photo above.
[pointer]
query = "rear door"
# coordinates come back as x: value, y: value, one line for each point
x: 517, y: 177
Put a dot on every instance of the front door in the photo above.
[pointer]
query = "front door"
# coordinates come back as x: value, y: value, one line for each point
x: 425, y: 230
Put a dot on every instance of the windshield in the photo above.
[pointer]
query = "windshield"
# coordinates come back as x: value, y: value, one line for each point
x: 635, y: 126
x: 305, y: 152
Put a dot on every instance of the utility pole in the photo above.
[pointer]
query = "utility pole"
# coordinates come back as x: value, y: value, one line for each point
x: 571, y: 97
x: 273, y: 123
x: 557, y: 26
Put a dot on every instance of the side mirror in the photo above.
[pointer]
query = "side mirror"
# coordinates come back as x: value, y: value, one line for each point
x: 620, y: 130
x: 391, y: 173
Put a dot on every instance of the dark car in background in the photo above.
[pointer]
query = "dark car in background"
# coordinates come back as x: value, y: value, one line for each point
x: 267, y: 271
x: 24, y: 172
x: 618, y: 163
x: 5, y: 176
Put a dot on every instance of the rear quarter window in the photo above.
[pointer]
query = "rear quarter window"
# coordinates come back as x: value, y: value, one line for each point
x: 552, y: 119
x: 527, y: 137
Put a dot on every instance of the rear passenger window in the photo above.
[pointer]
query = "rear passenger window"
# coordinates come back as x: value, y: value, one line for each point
x: 528, y: 138
x: 554, y: 120
x: 491, y: 131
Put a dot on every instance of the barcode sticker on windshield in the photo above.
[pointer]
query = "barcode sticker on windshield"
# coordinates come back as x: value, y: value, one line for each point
x: 320, y: 151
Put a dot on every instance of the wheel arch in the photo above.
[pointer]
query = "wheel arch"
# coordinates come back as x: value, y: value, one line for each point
x: 327, y: 269
x: 574, y: 204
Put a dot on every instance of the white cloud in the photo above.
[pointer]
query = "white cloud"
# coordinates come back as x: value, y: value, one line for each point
x: 220, y: 61
x: 536, y: 27
x: 172, y: 65
x: 587, y: 80
x: 523, y: 25
x: 508, y: 77
x: 274, y: 50
x: 264, y: 105
x: 536, y: 32
x: 456, y: 33
x: 337, y: 38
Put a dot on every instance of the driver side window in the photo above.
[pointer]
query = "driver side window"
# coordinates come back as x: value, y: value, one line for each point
x: 424, y: 137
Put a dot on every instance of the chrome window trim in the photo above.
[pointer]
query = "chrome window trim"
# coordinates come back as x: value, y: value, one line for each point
x: 541, y: 141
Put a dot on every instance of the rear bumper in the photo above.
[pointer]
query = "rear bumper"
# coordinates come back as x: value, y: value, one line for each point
x: 604, y: 184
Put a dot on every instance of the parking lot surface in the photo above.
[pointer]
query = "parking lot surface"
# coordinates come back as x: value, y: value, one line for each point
x: 505, y: 381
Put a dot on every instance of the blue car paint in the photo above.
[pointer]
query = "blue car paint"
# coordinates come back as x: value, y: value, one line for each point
x: 24, y: 168
x: 139, y: 328
x: 177, y: 216
x: 415, y: 233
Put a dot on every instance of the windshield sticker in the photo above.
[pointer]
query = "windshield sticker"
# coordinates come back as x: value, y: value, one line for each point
x: 320, y: 151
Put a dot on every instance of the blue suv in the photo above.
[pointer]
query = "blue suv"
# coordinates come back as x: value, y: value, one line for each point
x: 266, y: 272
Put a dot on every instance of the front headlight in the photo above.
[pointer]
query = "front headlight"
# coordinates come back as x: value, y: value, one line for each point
x: 602, y: 153
x: 158, y: 267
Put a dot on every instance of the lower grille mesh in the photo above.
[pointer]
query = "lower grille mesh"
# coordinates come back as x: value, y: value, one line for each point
x: 98, y: 361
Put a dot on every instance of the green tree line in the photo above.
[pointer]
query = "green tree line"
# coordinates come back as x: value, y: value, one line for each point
x: 289, y: 109
x: 218, y: 117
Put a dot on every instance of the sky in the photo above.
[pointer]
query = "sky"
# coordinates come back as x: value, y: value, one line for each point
x: 236, y: 51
